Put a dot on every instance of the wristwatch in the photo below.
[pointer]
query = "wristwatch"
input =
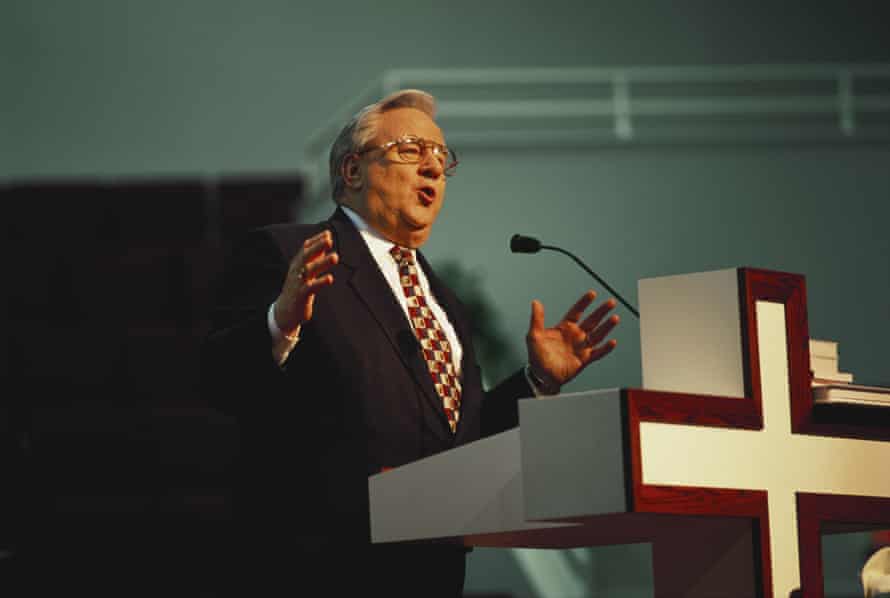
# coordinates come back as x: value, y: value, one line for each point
x: 539, y: 383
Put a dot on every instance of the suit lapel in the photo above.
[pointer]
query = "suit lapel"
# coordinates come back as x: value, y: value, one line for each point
x: 374, y: 292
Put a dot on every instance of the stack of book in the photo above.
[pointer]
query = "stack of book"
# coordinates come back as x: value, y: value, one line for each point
x: 824, y: 364
x: 832, y: 386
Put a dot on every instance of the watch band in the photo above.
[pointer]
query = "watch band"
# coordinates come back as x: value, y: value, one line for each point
x: 539, y: 382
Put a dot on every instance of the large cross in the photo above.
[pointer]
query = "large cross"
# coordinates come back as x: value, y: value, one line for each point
x: 771, y: 454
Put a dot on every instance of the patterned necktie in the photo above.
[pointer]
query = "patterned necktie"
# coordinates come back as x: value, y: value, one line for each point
x: 435, y: 346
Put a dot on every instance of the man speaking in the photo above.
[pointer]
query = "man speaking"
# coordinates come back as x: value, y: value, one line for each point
x: 342, y: 354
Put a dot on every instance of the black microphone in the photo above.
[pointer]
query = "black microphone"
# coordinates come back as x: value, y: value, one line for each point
x: 523, y: 244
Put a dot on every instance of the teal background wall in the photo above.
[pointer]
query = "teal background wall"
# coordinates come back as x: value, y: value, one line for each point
x: 124, y: 87
x: 157, y: 89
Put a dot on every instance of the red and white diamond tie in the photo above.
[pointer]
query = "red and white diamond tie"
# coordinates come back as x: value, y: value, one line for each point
x: 436, y: 348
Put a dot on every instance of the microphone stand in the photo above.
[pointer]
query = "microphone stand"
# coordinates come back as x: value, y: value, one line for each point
x: 592, y: 273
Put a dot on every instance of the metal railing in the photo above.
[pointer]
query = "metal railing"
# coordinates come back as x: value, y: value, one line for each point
x: 533, y: 107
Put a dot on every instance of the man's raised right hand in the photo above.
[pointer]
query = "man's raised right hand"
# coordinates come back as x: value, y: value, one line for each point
x: 307, y: 274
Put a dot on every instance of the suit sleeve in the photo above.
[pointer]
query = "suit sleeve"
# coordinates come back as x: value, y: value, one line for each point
x: 500, y: 409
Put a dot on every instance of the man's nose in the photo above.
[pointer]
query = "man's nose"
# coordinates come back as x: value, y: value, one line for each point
x: 430, y: 166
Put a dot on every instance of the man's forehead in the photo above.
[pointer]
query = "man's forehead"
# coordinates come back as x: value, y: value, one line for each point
x: 407, y: 121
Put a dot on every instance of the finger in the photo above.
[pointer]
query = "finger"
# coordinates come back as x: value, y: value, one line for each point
x: 312, y: 286
x: 320, y: 265
x: 596, y: 336
x: 602, y: 350
x: 591, y: 321
x: 322, y: 237
x: 316, y: 245
x: 537, y: 321
x: 315, y: 253
x: 312, y: 248
x: 308, y: 307
x: 310, y: 289
x: 574, y: 313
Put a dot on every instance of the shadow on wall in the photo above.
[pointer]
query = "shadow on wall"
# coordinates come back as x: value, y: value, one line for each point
x: 496, y: 355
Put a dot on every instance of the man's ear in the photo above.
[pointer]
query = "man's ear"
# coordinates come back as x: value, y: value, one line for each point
x: 351, y: 172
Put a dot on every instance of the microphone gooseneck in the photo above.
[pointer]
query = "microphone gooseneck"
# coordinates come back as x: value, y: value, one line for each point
x: 523, y: 244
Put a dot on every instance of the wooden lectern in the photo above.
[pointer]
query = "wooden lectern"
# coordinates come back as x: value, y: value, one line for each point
x: 723, y: 461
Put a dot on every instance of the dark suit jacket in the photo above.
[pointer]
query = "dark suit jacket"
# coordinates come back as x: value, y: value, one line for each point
x: 352, y: 397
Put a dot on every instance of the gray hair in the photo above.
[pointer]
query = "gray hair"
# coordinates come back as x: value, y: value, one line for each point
x: 362, y: 127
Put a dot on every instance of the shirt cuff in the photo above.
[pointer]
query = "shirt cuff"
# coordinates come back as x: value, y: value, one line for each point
x: 282, y: 344
x: 537, y: 385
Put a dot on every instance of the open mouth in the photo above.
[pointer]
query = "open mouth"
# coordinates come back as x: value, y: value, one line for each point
x: 427, y: 195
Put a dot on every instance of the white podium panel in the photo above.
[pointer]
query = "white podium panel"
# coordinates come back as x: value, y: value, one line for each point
x: 565, y: 461
x: 573, y: 458
x: 470, y: 490
x: 691, y: 333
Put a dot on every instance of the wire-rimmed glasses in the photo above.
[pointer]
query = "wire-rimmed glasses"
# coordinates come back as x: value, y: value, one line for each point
x: 411, y: 150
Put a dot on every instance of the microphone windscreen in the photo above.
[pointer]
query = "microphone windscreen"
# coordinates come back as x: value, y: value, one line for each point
x: 523, y: 244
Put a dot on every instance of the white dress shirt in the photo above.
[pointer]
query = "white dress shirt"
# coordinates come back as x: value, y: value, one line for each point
x: 379, y: 248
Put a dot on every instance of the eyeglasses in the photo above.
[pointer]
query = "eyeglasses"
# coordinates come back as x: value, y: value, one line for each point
x: 410, y: 150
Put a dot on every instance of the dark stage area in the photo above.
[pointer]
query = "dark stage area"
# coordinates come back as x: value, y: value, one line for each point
x: 117, y: 471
